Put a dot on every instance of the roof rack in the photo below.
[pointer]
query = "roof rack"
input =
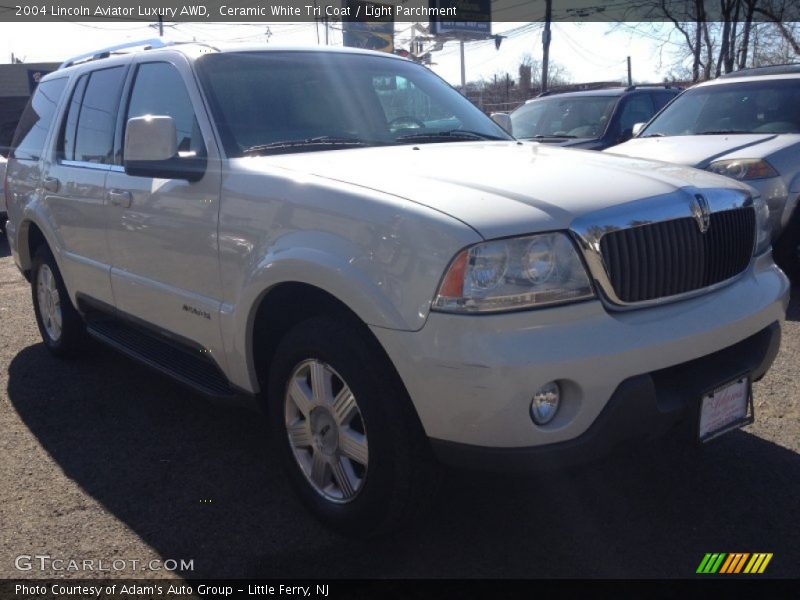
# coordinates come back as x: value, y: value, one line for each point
x: 666, y: 86
x: 106, y: 52
x: 785, y: 69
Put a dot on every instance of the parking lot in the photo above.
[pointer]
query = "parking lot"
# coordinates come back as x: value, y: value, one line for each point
x: 103, y: 459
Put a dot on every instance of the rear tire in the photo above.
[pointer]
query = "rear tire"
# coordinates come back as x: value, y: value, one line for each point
x: 357, y: 457
x: 60, y: 325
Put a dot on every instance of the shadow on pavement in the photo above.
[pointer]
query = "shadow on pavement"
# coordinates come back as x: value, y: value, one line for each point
x: 150, y: 452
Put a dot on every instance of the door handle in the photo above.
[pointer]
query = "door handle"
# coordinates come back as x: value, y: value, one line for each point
x: 121, y: 198
x: 51, y: 184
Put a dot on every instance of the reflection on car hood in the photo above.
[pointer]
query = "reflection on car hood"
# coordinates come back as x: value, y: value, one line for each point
x: 701, y: 150
x: 498, y: 188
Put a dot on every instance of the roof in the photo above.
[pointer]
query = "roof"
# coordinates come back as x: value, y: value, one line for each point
x: 194, y: 49
x: 787, y: 69
x: 612, y: 91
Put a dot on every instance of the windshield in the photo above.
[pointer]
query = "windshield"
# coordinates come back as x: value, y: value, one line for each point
x: 740, y: 107
x: 570, y: 117
x: 300, y: 101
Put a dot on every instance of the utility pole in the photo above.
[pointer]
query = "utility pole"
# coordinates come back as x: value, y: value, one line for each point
x: 463, y: 69
x: 326, y: 31
x: 160, y: 26
x: 548, y: 17
x: 630, y: 78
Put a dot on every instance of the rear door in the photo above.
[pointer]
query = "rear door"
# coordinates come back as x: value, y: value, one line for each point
x: 74, y: 182
x: 162, y: 233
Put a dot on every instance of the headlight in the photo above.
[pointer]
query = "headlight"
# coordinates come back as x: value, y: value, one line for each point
x: 515, y: 273
x: 763, y: 229
x: 743, y: 169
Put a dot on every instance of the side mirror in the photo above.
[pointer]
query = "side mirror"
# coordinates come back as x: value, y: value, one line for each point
x: 151, y: 151
x: 503, y: 119
x: 637, y: 128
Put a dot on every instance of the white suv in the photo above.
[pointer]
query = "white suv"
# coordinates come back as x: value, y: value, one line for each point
x: 344, y: 235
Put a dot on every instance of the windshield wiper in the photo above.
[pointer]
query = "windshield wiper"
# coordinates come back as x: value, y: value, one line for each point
x: 447, y: 136
x: 324, y: 142
x: 651, y: 135
x: 720, y: 131
x: 553, y: 136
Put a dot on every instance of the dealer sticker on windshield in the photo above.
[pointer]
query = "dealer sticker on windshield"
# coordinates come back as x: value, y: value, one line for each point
x: 727, y: 407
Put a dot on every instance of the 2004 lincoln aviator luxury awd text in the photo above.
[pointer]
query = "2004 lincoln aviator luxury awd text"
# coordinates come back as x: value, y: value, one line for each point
x: 345, y: 236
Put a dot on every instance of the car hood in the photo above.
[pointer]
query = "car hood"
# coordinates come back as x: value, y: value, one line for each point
x: 701, y: 150
x: 499, y: 188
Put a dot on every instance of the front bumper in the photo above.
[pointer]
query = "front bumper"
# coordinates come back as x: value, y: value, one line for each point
x: 471, y: 378
x: 642, y: 407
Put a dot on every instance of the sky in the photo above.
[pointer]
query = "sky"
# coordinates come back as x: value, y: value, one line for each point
x: 588, y: 51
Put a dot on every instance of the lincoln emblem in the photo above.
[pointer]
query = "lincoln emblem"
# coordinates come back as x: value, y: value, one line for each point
x: 701, y: 212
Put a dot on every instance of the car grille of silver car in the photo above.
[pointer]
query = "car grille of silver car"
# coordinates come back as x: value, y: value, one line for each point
x: 675, y: 257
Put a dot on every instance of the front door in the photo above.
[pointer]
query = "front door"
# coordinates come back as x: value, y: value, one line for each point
x: 162, y: 233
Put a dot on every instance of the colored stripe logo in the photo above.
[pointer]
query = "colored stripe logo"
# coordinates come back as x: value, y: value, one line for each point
x: 734, y: 563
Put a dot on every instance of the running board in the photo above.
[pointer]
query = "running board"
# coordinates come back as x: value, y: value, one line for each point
x: 186, y: 365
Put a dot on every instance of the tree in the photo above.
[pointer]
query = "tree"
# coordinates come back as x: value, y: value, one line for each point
x: 719, y: 36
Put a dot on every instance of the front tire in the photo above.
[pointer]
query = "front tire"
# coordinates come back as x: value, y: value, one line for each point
x: 60, y: 325
x: 345, y: 430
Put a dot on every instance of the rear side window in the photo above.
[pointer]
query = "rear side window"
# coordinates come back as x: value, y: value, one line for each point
x: 159, y: 90
x: 67, y: 145
x: 32, y: 130
x: 96, y: 117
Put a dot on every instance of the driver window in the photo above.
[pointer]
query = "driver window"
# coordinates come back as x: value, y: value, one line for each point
x: 638, y: 109
x: 159, y: 90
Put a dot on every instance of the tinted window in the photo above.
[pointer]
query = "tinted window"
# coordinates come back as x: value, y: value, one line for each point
x: 32, y: 130
x: 564, y: 116
x: 159, y: 90
x: 638, y: 109
x: 94, y: 138
x: 660, y: 99
x: 66, y: 146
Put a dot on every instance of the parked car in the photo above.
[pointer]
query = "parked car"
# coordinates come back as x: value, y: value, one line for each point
x: 3, y: 215
x: 589, y: 120
x: 394, y: 276
x: 745, y: 125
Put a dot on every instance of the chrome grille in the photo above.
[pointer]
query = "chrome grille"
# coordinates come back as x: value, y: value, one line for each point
x: 673, y: 257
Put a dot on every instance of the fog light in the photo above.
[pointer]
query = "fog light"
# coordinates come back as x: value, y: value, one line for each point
x: 545, y: 403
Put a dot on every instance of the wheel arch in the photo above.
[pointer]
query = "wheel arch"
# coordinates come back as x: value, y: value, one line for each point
x: 30, y: 236
x: 286, y: 304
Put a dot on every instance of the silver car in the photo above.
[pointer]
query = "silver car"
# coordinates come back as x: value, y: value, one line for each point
x: 745, y: 125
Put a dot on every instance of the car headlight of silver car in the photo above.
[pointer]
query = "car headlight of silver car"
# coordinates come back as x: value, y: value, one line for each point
x: 514, y: 273
x: 743, y: 169
x: 763, y: 228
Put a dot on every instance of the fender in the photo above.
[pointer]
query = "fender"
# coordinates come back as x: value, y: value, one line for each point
x: 32, y: 215
x: 320, y: 265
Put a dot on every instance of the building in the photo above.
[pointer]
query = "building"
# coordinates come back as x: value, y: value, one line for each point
x: 17, y: 82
